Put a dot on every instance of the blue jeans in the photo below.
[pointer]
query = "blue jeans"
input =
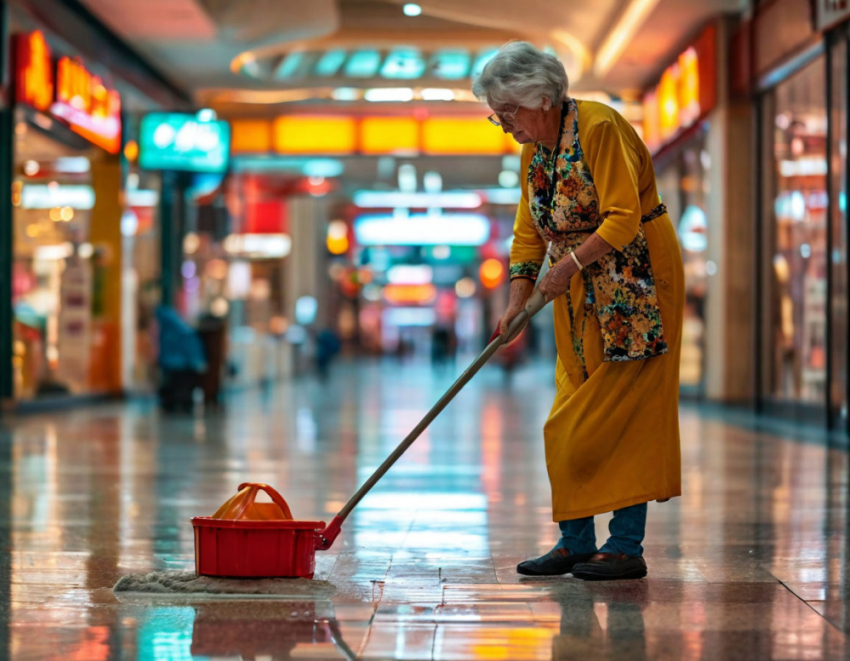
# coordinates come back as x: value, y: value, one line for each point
x: 627, y: 529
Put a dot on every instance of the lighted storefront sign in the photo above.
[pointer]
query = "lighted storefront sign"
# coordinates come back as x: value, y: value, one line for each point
x: 191, y: 143
x: 305, y: 134
x: 684, y: 95
x: 34, y: 71
x: 422, y: 230
x: 87, y: 105
x: 74, y: 95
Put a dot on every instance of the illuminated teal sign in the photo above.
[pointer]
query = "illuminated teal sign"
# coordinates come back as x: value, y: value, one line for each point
x: 190, y: 143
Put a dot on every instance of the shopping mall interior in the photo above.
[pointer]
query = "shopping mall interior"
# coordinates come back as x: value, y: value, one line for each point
x: 254, y: 243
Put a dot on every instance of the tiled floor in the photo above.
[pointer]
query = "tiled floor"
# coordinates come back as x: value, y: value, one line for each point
x: 751, y: 563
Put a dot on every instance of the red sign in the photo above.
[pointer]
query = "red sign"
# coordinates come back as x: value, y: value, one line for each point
x: 78, y: 97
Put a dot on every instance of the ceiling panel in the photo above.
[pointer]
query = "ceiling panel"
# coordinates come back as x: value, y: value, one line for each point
x: 195, y: 41
x: 154, y: 19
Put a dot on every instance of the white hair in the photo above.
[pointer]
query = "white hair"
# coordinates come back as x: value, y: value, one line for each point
x: 521, y: 74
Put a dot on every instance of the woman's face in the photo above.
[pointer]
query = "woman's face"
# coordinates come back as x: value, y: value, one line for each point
x: 525, y: 124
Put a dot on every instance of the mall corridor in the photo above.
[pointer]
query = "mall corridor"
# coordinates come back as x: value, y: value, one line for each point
x: 751, y: 563
x: 251, y: 244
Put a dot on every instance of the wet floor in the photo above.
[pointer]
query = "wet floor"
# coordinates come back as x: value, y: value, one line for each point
x: 751, y: 563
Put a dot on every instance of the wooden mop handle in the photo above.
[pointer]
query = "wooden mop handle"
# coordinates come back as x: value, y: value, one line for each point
x: 535, y: 303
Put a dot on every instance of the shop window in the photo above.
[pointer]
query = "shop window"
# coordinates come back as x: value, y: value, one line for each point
x: 58, y: 269
x: 838, y: 228
x: 794, y: 231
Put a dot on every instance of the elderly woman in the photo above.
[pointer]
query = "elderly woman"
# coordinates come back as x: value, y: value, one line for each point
x: 590, y: 204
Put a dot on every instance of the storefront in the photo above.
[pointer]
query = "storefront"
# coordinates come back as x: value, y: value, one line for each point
x: 677, y: 127
x: 802, y: 233
x: 83, y: 225
x: 66, y: 219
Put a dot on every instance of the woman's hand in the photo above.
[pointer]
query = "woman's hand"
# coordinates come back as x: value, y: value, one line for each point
x: 521, y: 289
x: 557, y: 279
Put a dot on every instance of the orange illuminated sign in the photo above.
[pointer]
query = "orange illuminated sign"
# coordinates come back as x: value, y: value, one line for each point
x: 408, y: 294
x: 462, y: 135
x: 668, y: 103
x: 250, y: 136
x: 78, y: 97
x: 685, y: 93
x: 302, y: 134
x: 294, y: 134
x: 35, y: 71
x: 388, y: 135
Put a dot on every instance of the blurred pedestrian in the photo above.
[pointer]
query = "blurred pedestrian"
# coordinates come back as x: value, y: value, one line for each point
x: 182, y: 360
x: 327, y: 347
x: 591, y: 203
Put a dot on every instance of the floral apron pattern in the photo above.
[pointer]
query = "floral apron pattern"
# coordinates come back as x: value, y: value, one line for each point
x: 620, y: 287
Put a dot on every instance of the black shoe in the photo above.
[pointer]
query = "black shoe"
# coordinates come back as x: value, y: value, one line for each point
x: 558, y: 561
x: 610, y: 567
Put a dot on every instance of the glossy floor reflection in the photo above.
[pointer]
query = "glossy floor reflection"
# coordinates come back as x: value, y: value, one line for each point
x: 750, y: 564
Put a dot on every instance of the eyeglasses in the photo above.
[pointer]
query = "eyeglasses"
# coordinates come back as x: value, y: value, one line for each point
x: 499, y: 118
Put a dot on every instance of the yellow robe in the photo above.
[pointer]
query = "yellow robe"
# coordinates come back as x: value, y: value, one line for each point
x: 612, y: 440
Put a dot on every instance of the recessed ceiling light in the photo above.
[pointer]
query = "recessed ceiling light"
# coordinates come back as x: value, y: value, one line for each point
x: 389, y: 94
x: 412, y: 9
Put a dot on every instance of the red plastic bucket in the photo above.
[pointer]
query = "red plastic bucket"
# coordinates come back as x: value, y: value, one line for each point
x: 261, y: 540
x: 255, y: 549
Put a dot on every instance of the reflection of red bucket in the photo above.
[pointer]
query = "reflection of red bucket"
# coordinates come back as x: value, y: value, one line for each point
x: 260, y: 540
x: 278, y: 629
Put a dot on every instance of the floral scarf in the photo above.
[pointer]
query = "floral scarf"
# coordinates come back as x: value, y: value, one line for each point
x: 620, y: 286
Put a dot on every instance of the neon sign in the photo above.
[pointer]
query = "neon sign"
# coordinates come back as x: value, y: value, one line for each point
x: 78, y: 97
x: 87, y: 105
x: 35, y: 71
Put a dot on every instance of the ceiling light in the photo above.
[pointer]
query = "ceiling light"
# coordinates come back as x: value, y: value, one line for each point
x: 412, y: 9
x: 403, y: 63
x: 619, y: 37
x: 437, y: 94
x: 450, y: 64
x: 345, y: 94
x: 330, y: 62
x: 389, y: 94
x: 363, y: 63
